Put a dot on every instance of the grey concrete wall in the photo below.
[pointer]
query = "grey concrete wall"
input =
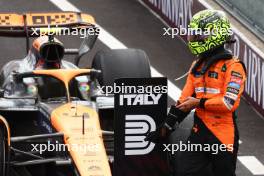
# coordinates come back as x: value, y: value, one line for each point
x: 251, y: 10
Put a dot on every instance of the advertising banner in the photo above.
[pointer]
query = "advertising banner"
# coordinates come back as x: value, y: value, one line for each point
x: 140, y: 107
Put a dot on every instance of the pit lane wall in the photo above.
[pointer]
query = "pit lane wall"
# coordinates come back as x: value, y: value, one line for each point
x: 177, y: 13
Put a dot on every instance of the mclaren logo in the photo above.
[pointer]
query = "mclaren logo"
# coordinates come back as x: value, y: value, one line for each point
x: 136, y: 128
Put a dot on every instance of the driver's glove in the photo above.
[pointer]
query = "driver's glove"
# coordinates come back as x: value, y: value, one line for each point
x: 173, y: 119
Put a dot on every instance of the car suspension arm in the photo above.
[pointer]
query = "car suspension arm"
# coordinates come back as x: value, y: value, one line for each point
x: 33, y: 137
x: 57, y: 161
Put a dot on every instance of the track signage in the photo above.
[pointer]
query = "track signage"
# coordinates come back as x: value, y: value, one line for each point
x: 137, y: 112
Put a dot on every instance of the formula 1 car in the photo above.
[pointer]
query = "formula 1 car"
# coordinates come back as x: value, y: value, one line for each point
x: 54, y: 120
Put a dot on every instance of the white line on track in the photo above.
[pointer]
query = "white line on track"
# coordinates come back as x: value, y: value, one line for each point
x: 110, y: 41
x: 253, y: 164
x: 65, y: 5
x: 113, y: 43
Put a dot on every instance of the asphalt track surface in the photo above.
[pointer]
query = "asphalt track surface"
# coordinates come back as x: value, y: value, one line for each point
x: 136, y: 27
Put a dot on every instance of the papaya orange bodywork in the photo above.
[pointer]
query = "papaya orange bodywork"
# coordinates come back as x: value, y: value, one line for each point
x: 11, y: 19
x: 65, y: 75
x: 68, y: 120
x: 45, y: 19
x: 4, y: 122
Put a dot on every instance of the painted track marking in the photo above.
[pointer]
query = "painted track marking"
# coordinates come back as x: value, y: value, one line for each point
x: 252, y: 164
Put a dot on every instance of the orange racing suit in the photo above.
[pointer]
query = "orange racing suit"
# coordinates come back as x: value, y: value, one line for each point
x: 220, y: 89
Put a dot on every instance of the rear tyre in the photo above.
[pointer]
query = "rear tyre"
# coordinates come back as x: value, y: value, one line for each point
x: 114, y: 64
x: 121, y: 63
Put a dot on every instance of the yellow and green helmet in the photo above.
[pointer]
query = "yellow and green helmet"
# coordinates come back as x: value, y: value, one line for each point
x: 208, y: 29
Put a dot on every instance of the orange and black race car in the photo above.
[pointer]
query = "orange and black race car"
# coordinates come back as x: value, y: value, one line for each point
x: 54, y: 120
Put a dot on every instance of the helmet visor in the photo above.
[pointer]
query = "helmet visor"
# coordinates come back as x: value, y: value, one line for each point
x: 197, y: 36
x: 52, y: 52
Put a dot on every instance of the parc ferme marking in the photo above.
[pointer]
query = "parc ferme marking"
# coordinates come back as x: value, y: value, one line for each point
x: 109, y: 40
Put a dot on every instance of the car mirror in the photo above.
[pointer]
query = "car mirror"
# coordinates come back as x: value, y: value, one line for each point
x: 19, y: 90
x: 86, y: 45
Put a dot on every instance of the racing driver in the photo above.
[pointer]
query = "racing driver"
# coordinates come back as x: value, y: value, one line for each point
x: 48, y: 52
x: 213, y: 88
